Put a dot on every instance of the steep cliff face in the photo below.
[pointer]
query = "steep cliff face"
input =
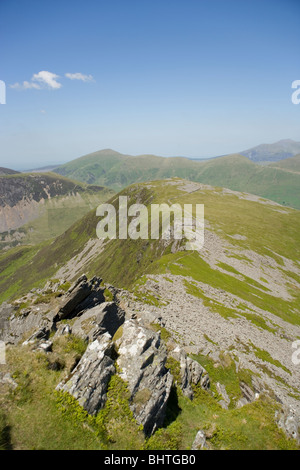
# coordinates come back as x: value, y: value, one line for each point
x: 25, y: 197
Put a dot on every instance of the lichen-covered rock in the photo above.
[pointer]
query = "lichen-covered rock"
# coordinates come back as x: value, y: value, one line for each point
x: 141, y: 363
x: 89, y: 380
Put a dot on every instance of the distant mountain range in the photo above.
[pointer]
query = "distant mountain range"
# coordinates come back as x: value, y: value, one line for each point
x: 116, y: 171
x: 273, y: 152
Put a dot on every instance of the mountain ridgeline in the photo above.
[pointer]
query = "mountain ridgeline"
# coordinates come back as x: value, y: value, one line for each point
x: 236, y: 172
x: 215, y: 328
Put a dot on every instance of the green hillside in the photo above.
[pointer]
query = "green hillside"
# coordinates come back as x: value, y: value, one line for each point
x: 266, y: 229
x: 233, y: 306
x: 290, y: 164
x: 111, y: 169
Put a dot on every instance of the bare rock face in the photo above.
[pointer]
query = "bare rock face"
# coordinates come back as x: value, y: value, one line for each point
x: 289, y: 422
x: 89, y: 380
x: 191, y: 372
x: 141, y: 361
x: 106, y: 317
x: 75, y: 295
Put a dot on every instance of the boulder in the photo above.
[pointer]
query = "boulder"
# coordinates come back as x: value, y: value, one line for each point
x: 80, y: 290
x: 141, y: 363
x: 89, y: 380
x: 106, y: 317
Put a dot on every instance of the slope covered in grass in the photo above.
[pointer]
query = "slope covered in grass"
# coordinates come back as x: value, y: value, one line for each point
x: 289, y: 164
x: 236, y: 172
x: 233, y: 306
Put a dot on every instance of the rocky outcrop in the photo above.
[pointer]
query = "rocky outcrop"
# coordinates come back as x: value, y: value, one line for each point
x: 89, y: 380
x: 116, y: 345
x: 141, y: 360
x: 191, y: 372
x: 200, y: 441
x: 289, y: 422
x: 106, y: 317
x: 79, y: 297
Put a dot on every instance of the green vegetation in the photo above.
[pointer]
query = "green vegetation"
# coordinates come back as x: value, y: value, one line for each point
x: 124, y: 262
x: 37, y: 417
x: 236, y: 172
x: 265, y: 356
x: 192, y: 265
x: 288, y: 164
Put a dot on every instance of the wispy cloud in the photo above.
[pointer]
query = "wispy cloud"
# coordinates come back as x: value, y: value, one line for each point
x: 79, y: 76
x: 25, y: 86
x: 49, y: 80
x: 40, y: 80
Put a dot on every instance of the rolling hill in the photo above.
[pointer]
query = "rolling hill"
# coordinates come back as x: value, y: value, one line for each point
x: 233, y: 306
x: 289, y: 164
x: 236, y: 172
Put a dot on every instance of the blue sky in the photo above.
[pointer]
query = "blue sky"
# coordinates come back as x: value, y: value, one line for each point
x: 167, y: 77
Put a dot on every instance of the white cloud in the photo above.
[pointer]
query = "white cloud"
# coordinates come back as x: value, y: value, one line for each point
x: 25, y: 86
x: 79, y: 76
x: 47, y: 79
x: 38, y: 81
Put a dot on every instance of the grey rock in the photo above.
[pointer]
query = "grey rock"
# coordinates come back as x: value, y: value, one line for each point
x: 191, y: 372
x: 6, y: 379
x: 289, y: 422
x: 63, y: 330
x: 221, y: 389
x: 89, y: 380
x: 109, y: 318
x: 200, y: 441
x: 42, y: 333
x: 141, y: 361
x: 249, y: 394
x: 106, y: 317
x: 75, y: 295
x: 45, y: 346
x: 81, y: 296
x: 6, y: 310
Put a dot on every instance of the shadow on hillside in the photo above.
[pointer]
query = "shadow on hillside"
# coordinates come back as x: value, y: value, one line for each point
x: 5, y: 438
x: 173, y: 408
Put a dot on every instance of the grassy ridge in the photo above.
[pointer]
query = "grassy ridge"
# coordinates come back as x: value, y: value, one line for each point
x: 263, y: 229
x: 290, y: 164
x: 109, y: 168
